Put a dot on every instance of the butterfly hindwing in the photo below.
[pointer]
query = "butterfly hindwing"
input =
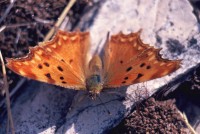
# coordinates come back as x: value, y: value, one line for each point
x: 128, y: 61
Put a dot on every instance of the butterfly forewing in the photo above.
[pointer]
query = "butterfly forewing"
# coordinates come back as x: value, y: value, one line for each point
x: 59, y: 62
x: 129, y: 61
x: 70, y: 48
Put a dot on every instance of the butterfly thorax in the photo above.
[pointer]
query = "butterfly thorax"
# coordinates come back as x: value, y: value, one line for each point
x: 94, y: 80
x: 94, y: 85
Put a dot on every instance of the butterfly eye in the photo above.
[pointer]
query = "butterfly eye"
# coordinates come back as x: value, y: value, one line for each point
x: 98, y: 78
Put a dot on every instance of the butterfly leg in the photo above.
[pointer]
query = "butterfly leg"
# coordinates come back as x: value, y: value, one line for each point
x: 75, y: 102
x: 109, y: 113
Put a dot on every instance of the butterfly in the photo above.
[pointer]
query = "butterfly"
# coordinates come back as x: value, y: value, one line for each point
x: 63, y: 61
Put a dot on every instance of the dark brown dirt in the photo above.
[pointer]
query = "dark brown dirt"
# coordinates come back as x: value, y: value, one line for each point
x: 152, y: 116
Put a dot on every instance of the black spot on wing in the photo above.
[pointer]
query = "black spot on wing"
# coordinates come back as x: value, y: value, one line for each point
x: 64, y: 82
x: 126, y: 78
x: 62, y: 60
x: 48, y: 75
x: 46, y: 64
x: 142, y: 65
x: 128, y: 69
x: 123, y: 82
x: 39, y: 66
x: 148, y: 67
x: 61, y: 78
x: 139, y: 76
x: 137, y: 79
x: 60, y: 68
x: 50, y: 80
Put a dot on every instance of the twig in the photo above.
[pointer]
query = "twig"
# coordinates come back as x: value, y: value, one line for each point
x: 60, y: 19
x: 187, y: 123
x: 19, y: 25
x: 2, y: 28
x: 43, y: 21
x: 14, y: 90
x: 16, y: 25
x: 6, y: 87
x: 7, y: 11
x: 2, y: 1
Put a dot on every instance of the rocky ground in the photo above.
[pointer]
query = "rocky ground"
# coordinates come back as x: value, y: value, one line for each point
x: 42, y: 108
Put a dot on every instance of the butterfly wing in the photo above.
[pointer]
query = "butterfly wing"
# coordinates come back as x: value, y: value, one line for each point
x: 60, y: 61
x: 127, y: 60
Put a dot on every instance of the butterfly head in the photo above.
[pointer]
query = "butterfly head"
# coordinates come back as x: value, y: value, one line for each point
x: 94, y: 85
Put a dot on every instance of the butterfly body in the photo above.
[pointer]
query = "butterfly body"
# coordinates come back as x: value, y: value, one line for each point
x: 63, y: 62
x: 94, y: 82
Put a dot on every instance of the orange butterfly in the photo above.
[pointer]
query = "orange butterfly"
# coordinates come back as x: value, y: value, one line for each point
x: 62, y: 61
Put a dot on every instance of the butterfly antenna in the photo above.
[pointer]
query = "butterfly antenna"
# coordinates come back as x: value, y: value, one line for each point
x: 98, y: 47
x: 74, y: 102
x: 139, y: 31
x: 65, y: 24
x: 105, y: 44
x: 107, y: 38
x: 104, y: 105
